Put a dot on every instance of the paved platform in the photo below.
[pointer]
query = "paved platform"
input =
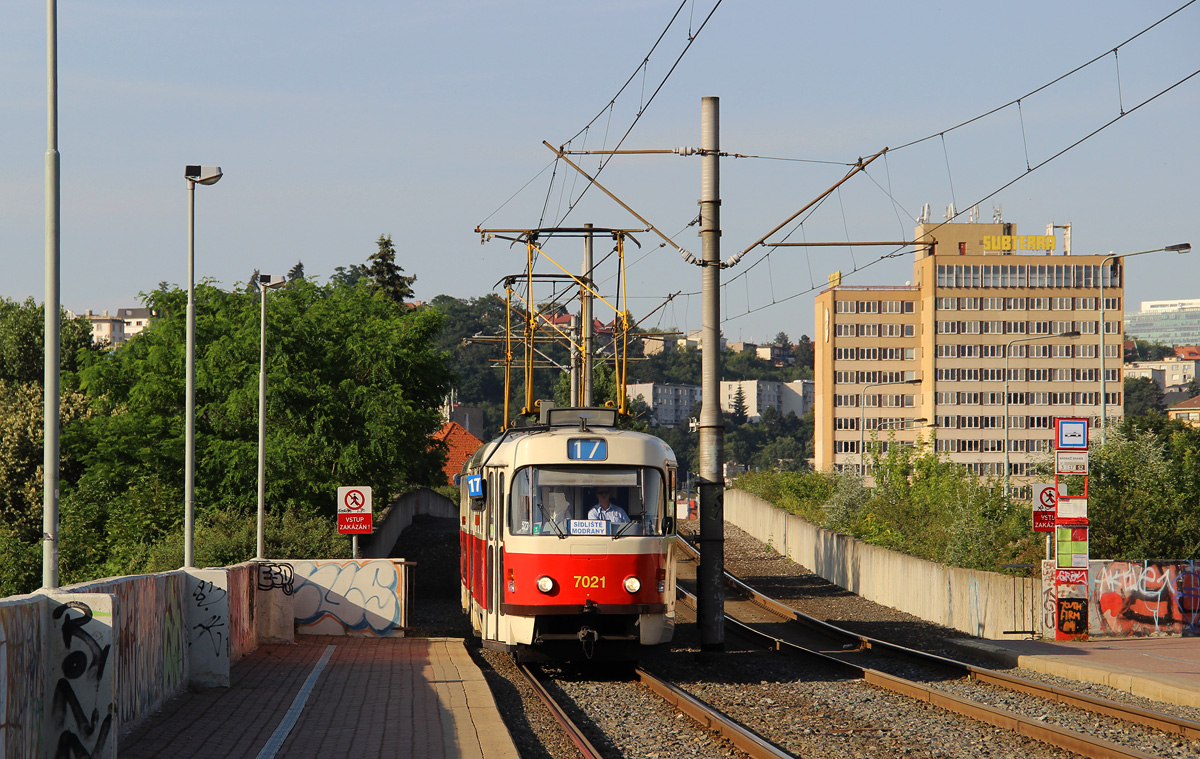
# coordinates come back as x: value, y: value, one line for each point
x: 1162, y: 669
x: 327, y: 696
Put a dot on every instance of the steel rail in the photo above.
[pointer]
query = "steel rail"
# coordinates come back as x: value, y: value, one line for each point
x: 711, y: 718
x: 1168, y: 723
x: 1080, y: 743
x: 573, y: 731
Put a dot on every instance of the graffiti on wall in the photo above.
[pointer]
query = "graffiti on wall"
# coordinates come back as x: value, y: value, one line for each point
x: 1145, y: 598
x: 348, y: 597
x: 1133, y: 598
x: 21, y: 677
x: 145, y: 638
x: 276, y: 576
x: 209, y: 607
x: 243, y: 611
x: 81, y: 707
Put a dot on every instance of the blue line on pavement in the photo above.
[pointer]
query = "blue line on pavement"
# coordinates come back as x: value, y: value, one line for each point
x: 293, y: 712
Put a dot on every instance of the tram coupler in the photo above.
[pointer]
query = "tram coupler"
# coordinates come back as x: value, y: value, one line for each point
x: 587, y: 638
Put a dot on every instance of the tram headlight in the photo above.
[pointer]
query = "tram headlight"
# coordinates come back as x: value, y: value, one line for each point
x: 545, y: 584
x: 633, y: 584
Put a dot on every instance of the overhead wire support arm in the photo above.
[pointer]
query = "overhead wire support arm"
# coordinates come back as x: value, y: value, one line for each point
x: 686, y: 255
x: 862, y: 164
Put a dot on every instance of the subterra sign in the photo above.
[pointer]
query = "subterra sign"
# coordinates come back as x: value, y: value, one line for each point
x: 354, y: 510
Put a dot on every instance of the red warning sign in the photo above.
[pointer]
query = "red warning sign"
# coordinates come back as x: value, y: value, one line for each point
x: 354, y: 510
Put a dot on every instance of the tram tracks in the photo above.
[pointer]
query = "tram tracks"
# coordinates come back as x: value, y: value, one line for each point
x: 931, y: 678
x: 705, y: 716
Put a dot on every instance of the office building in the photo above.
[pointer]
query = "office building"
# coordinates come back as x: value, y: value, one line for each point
x: 970, y: 348
x: 1174, y: 322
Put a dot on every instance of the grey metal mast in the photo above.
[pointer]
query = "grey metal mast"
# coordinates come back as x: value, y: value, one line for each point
x: 711, y: 597
x: 50, y: 379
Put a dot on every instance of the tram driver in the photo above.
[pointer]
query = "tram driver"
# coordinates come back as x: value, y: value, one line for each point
x: 606, y: 509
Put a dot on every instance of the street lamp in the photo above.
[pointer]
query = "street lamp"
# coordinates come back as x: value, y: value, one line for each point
x: 1007, y: 418
x: 862, y: 421
x: 1182, y: 247
x: 194, y: 175
x: 264, y: 281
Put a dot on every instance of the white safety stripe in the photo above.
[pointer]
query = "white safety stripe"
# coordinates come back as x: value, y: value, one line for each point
x: 293, y: 712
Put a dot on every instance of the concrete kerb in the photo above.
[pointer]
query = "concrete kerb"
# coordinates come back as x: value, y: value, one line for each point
x: 1154, y: 686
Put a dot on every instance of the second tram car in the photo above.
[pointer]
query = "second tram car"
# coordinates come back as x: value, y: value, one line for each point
x: 568, y: 542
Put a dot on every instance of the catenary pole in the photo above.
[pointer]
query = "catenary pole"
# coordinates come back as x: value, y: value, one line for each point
x: 586, y: 318
x: 711, y: 596
x: 50, y: 378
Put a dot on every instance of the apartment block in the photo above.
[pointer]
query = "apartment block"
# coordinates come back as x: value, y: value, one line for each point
x: 670, y: 404
x: 759, y: 395
x: 1170, y: 374
x: 997, y: 335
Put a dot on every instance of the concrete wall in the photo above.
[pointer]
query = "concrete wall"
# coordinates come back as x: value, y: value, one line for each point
x: 82, y: 664
x: 399, y: 515
x: 365, y: 597
x: 984, y: 604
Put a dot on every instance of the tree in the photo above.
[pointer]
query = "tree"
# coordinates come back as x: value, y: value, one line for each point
x: 348, y: 277
x: 782, y: 340
x: 296, y: 272
x: 354, y: 386
x: 804, y: 352
x: 22, y: 338
x: 1143, y: 397
x: 385, y: 275
x: 739, y: 413
x: 1146, y: 350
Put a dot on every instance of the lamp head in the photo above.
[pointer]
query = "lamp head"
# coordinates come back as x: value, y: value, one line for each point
x: 1182, y: 247
x: 1072, y: 333
x: 202, y: 174
x: 270, y: 280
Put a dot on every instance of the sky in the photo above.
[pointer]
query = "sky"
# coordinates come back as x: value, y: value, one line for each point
x: 336, y: 123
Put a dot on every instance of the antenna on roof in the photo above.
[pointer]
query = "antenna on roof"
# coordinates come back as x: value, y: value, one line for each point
x: 924, y: 214
x: 950, y: 212
x: 997, y: 214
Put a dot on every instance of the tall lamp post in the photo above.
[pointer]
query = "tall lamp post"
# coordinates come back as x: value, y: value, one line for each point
x: 265, y: 281
x: 1182, y: 247
x: 1007, y: 418
x: 51, y: 360
x: 862, y: 418
x: 194, y: 175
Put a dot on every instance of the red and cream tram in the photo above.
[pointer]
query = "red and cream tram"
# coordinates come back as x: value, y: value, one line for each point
x: 567, y: 539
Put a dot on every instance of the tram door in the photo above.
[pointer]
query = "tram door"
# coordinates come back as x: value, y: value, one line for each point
x: 492, y: 528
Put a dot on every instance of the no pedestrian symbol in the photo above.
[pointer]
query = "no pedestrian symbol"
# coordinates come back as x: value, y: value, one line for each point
x: 1044, y: 508
x: 354, y: 510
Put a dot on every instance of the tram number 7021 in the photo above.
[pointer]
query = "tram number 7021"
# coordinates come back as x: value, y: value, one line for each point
x: 589, y: 581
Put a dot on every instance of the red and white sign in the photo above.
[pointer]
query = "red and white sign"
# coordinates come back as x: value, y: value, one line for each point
x: 354, y: 510
x: 1045, y: 501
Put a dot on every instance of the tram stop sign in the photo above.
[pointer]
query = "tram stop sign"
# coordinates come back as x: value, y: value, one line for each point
x: 354, y: 510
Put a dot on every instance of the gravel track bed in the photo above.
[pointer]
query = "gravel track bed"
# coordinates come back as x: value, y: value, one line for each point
x: 808, y: 711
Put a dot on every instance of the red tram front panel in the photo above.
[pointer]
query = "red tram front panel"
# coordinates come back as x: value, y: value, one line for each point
x: 593, y: 581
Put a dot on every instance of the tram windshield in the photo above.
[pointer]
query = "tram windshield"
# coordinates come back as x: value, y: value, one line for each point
x: 562, y: 500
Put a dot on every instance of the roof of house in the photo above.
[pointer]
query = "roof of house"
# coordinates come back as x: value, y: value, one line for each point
x: 1190, y: 403
x: 1189, y: 352
x: 460, y: 446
